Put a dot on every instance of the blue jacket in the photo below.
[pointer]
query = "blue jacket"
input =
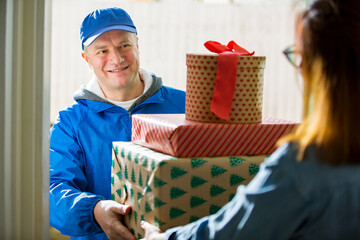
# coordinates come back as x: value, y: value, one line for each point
x: 287, y: 199
x: 81, y: 152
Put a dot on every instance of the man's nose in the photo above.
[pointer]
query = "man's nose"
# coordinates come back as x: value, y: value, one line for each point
x: 116, y: 57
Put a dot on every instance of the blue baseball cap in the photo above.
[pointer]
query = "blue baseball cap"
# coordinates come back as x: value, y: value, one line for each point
x: 104, y: 20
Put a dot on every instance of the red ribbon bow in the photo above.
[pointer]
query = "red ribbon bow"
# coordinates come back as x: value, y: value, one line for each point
x: 225, y: 76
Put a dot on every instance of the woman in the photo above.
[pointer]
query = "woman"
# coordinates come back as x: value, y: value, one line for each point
x: 310, y: 187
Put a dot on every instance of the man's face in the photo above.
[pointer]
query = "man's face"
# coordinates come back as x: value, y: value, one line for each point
x: 114, y: 58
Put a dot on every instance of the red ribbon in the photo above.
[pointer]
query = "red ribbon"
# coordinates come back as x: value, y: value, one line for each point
x: 225, y: 76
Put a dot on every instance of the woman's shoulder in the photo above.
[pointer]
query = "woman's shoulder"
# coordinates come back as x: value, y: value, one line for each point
x: 284, y: 155
x: 310, y: 173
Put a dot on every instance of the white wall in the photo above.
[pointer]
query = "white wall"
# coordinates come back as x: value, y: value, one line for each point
x: 169, y: 30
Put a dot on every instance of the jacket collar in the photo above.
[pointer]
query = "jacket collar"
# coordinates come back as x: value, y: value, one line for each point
x: 98, y: 103
x: 100, y: 106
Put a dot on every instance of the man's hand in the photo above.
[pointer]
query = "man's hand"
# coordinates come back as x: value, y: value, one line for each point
x: 108, y: 214
x: 152, y: 232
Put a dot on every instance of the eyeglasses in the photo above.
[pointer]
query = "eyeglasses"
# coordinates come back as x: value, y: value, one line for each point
x: 293, y: 56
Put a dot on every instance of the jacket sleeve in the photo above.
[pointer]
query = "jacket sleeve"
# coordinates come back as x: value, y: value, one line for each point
x: 270, y: 207
x: 71, y: 208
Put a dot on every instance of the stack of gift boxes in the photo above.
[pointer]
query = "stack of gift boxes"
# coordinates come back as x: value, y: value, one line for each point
x: 181, y: 167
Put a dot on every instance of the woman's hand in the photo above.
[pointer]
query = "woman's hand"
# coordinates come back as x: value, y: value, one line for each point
x: 152, y: 232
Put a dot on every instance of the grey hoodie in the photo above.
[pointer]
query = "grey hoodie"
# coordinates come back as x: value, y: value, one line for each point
x: 84, y: 93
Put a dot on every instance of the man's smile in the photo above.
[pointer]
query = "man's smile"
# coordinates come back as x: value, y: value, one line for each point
x: 118, y: 69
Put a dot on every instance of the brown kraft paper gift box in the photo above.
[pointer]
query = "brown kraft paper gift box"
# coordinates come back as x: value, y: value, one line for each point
x: 169, y: 191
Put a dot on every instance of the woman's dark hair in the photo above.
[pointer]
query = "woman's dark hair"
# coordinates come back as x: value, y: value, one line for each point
x: 329, y: 41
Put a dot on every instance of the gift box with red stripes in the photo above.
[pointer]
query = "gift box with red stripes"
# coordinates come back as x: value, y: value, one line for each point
x: 175, y: 135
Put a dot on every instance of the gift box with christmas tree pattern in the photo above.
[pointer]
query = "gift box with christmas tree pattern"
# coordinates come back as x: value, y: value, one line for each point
x: 170, y: 191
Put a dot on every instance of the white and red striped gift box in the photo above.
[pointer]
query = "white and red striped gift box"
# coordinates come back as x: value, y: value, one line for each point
x: 174, y: 135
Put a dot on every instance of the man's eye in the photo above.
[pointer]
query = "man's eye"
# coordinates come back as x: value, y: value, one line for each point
x: 125, y: 46
x: 102, y: 52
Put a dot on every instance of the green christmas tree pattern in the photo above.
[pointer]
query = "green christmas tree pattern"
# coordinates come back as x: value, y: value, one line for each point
x: 232, y: 195
x: 140, y: 179
x: 147, y: 207
x: 216, y: 190
x: 157, y: 222
x: 125, y: 188
x: 162, y: 163
x: 197, y: 162
x: 137, y: 157
x: 253, y: 169
x: 197, y: 181
x: 148, y: 188
x: 139, y: 196
x: 144, y: 162
x: 133, y: 178
x: 152, y: 166
x: 177, y: 172
x: 217, y: 171
x: 236, y: 180
x: 193, y: 219
x: 234, y: 161
x: 158, y: 202
x: 196, y: 201
x: 176, y: 212
x: 147, y: 178
x: 119, y: 174
x: 116, y: 150
x: 158, y: 182
x: 176, y: 192
x: 132, y: 195
x: 118, y: 191
x: 126, y: 172
x: 213, y: 209
x: 135, y: 216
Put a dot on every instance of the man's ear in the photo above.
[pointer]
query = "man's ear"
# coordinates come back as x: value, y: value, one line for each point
x: 85, y: 57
